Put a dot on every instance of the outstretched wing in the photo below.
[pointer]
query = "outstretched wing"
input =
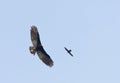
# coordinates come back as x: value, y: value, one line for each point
x: 66, y: 49
x: 35, y: 38
x: 44, y: 56
x: 70, y: 53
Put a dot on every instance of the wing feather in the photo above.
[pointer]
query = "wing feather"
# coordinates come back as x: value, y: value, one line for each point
x: 44, y: 56
x: 35, y: 38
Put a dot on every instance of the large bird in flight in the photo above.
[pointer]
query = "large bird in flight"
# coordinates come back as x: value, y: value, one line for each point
x: 38, y: 48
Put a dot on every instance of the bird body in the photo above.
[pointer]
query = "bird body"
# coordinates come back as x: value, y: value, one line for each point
x: 69, y: 51
x: 38, y: 48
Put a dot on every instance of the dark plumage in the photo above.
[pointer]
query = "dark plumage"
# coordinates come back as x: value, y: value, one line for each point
x: 69, y: 51
x: 38, y: 48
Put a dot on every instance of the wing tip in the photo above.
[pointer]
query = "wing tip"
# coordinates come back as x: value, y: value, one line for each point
x: 50, y: 65
x: 49, y: 62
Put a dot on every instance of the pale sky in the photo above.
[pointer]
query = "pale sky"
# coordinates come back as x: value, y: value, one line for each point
x: 90, y: 28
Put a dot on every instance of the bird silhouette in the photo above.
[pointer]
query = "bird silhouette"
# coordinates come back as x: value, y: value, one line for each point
x: 37, y: 47
x: 69, y: 51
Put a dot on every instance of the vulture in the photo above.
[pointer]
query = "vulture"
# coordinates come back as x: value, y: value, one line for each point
x: 37, y: 47
x: 69, y: 51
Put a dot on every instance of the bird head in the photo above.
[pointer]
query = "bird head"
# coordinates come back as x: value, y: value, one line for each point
x: 32, y: 50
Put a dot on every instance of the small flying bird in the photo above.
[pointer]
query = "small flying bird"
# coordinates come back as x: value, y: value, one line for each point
x: 38, y: 48
x: 69, y: 51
